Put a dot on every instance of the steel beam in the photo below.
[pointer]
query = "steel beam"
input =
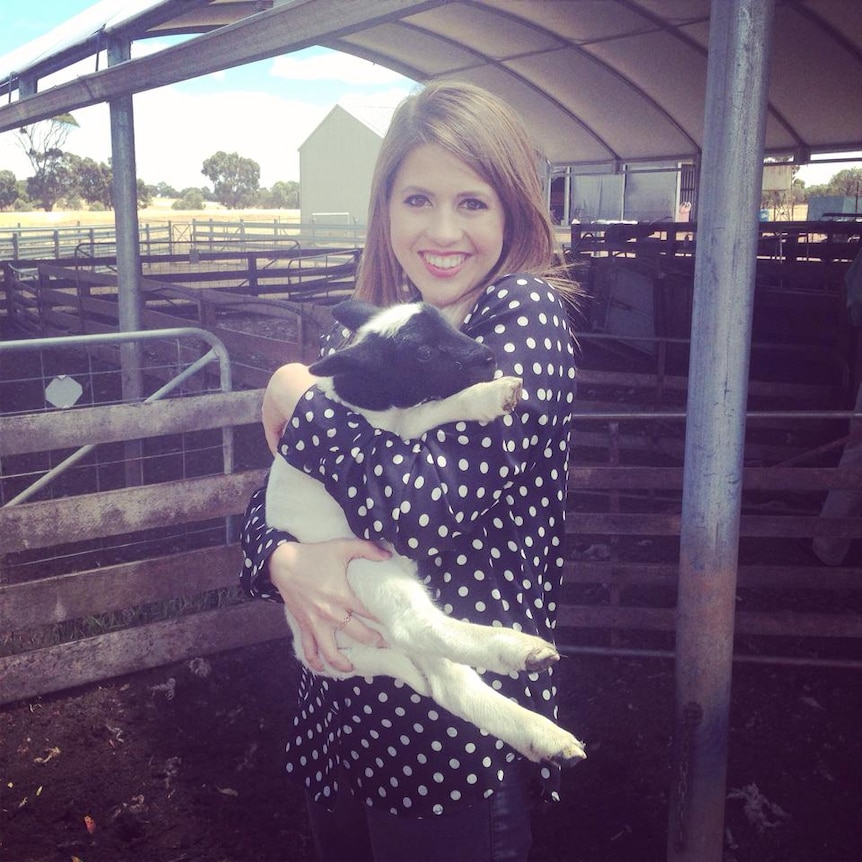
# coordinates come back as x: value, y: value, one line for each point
x: 735, y: 118
x: 280, y: 30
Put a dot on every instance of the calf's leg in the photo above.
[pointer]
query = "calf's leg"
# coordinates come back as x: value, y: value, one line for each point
x: 413, y: 623
x: 461, y: 690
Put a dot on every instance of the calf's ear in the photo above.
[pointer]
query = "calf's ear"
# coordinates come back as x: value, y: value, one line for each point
x: 353, y: 313
x: 358, y: 358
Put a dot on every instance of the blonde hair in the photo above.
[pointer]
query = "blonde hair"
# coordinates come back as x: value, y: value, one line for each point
x: 484, y: 133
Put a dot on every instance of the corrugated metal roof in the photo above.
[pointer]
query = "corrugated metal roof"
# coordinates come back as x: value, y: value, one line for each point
x: 598, y: 81
x: 375, y: 119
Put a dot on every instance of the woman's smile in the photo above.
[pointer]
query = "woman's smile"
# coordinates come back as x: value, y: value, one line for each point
x: 443, y: 263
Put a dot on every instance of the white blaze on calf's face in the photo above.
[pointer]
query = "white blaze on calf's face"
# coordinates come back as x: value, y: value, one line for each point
x: 390, y: 320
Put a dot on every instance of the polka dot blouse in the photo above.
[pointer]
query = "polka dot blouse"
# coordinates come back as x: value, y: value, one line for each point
x: 481, y: 510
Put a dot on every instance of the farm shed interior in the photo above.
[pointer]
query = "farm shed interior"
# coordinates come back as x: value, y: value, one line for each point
x: 560, y: 65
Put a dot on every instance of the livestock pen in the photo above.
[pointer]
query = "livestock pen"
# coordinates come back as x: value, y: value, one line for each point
x: 269, y: 307
x: 127, y: 562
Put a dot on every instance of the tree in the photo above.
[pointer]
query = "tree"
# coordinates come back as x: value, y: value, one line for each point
x: 189, y: 199
x: 8, y: 189
x: 43, y: 144
x: 165, y: 190
x: 235, y: 179
x: 847, y: 183
x: 144, y: 194
x: 285, y: 195
x: 92, y: 180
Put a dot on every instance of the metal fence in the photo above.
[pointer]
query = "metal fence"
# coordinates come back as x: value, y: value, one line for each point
x: 117, y: 536
x: 39, y: 243
x: 180, y: 237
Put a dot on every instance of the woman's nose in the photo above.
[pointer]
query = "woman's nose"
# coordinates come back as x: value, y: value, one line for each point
x: 444, y: 226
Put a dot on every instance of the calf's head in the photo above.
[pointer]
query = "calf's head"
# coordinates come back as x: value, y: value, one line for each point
x: 402, y: 356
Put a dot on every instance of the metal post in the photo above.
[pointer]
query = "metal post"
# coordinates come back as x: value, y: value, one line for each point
x: 728, y: 202
x: 125, y: 199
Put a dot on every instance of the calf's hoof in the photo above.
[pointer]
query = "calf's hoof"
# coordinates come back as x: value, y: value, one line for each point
x: 512, y: 393
x: 541, y: 658
x: 570, y: 755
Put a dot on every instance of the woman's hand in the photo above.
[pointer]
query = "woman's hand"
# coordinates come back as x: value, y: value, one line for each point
x: 312, y: 580
x: 283, y: 392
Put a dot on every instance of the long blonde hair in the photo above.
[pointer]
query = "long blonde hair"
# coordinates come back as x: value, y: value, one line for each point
x: 484, y: 133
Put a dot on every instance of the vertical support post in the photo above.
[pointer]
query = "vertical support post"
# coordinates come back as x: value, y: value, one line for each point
x: 125, y: 199
x: 728, y: 203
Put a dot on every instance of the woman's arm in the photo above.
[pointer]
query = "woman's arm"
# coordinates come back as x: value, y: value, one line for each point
x: 286, y: 386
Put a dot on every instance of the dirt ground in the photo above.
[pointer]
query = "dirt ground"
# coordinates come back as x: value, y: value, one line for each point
x: 184, y: 764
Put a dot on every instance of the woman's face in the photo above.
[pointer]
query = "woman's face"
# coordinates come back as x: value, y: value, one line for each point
x: 446, y: 226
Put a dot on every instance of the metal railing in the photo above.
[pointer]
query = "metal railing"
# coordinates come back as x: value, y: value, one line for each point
x: 39, y: 243
x: 217, y: 353
x: 170, y: 237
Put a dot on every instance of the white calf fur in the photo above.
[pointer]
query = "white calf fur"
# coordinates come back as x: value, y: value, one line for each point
x: 428, y: 650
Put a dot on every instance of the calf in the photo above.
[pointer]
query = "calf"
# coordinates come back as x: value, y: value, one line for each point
x: 408, y: 371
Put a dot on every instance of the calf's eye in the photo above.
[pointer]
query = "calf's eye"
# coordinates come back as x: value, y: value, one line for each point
x: 424, y: 353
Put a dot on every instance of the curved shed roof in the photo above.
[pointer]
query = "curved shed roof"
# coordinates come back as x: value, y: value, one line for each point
x: 598, y: 81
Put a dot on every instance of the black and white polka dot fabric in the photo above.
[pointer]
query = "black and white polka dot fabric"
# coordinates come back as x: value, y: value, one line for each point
x: 481, y: 510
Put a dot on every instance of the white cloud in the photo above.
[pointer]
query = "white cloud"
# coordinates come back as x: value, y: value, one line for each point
x: 381, y: 98
x: 178, y: 127
x: 176, y: 131
x: 334, y: 66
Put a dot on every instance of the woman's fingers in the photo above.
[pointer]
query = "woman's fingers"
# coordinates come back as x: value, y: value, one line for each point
x: 310, y: 651
x: 312, y: 579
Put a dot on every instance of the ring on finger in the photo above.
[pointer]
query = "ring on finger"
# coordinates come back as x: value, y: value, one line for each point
x: 347, y: 618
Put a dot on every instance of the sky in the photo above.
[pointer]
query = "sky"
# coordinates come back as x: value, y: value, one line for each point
x: 264, y: 111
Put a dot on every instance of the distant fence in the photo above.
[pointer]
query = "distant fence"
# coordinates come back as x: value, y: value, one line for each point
x: 268, y: 308
x: 40, y: 243
x: 214, y: 235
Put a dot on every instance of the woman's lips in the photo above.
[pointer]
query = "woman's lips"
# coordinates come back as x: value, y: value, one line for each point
x: 443, y: 264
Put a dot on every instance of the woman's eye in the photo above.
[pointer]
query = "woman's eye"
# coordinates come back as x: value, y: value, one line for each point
x: 424, y: 353
x: 474, y: 204
x: 416, y: 201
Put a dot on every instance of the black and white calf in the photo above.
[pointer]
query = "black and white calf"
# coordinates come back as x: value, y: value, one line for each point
x: 407, y: 372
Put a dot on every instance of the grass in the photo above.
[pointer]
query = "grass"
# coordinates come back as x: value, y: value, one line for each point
x: 158, y: 212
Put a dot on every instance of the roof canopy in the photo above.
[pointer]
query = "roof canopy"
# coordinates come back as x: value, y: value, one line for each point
x: 598, y: 81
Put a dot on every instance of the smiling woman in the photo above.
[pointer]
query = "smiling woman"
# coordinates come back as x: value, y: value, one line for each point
x: 457, y: 218
x: 446, y: 228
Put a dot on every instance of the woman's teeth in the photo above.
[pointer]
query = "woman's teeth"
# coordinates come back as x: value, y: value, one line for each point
x: 449, y: 261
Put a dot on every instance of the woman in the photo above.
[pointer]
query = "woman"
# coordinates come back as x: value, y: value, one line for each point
x: 458, y: 219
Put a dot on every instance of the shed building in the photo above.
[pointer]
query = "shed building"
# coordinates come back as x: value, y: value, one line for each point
x: 336, y: 163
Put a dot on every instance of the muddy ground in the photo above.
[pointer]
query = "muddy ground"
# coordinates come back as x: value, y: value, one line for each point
x: 184, y: 764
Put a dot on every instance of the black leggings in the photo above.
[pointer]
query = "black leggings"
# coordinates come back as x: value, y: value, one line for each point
x: 494, y: 830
